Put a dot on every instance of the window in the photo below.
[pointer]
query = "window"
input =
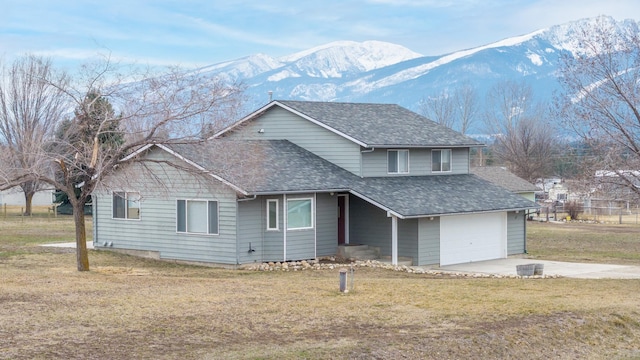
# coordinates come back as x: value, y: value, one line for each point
x: 126, y: 205
x: 197, y: 217
x: 398, y: 161
x: 441, y: 160
x: 272, y: 214
x: 299, y: 214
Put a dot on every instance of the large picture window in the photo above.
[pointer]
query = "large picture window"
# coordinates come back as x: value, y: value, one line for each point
x: 197, y: 217
x: 299, y: 214
x: 272, y: 214
x: 126, y: 205
x: 398, y: 161
x: 441, y: 160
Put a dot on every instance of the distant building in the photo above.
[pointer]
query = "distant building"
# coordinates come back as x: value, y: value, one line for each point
x: 500, y: 176
x: 15, y: 197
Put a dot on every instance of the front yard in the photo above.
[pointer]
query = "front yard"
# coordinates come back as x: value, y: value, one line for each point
x: 129, y: 308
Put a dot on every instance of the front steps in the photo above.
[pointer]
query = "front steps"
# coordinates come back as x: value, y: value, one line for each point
x: 366, y: 252
x: 358, y: 252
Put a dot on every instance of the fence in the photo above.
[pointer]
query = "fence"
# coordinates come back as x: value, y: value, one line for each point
x: 615, y: 215
x: 36, y: 210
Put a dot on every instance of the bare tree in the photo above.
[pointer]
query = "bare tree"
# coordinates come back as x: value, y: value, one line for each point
x: 456, y: 109
x: 467, y: 106
x: 29, y: 112
x: 601, y: 99
x: 440, y: 108
x: 524, y: 139
x: 174, y: 107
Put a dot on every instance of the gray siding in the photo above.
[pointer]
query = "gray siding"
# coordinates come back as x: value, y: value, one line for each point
x: 515, y: 233
x: 407, y: 239
x: 269, y: 244
x: 374, y: 163
x: 327, y: 225
x: 156, y: 228
x: 429, y: 241
x: 273, y: 239
x: 279, y: 124
x: 370, y: 225
x: 300, y: 244
x: 459, y: 162
x: 250, y: 225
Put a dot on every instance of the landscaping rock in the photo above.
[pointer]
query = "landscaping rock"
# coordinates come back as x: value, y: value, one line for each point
x: 317, y: 264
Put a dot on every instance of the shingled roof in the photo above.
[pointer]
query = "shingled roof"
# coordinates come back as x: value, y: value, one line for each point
x: 415, y: 196
x: 505, y: 178
x: 262, y: 167
x: 373, y: 125
x: 267, y: 166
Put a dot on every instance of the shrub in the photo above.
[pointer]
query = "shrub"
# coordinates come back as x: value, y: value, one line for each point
x: 573, y: 209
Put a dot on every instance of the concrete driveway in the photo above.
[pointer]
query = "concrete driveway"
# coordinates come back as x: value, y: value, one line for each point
x: 566, y: 269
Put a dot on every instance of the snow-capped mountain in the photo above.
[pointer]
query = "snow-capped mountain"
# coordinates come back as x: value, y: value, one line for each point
x: 374, y: 71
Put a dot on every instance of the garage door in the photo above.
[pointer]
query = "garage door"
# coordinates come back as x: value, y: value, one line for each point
x: 476, y: 237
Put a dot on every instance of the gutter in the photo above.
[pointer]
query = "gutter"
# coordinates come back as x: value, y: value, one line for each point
x: 464, y: 213
x: 248, y: 198
x: 275, y: 192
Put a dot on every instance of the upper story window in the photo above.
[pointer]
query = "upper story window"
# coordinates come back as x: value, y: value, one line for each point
x: 126, y: 205
x: 398, y: 161
x: 441, y: 160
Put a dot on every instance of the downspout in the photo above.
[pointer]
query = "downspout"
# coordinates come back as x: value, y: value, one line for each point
x: 94, y: 210
x: 284, y: 226
x: 526, y: 216
x: 315, y: 225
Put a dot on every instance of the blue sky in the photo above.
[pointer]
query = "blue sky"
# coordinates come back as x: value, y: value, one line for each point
x: 195, y: 33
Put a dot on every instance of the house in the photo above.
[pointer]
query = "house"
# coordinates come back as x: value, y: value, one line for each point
x: 500, y: 176
x: 558, y: 193
x: 15, y: 197
x: 298, y: 180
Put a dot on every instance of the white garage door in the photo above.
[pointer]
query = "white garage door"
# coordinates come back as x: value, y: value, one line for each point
x: 476, y: 237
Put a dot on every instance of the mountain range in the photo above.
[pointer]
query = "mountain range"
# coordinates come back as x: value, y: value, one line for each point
x: 374, y: 71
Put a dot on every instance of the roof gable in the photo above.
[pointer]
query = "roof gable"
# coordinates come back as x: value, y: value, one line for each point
x: 371, y: 125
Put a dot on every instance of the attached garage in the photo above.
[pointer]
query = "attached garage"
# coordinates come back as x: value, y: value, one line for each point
x: 475, y: 237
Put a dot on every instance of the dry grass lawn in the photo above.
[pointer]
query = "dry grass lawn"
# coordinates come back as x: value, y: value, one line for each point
x: 599, y: 243
x: 131, y: 308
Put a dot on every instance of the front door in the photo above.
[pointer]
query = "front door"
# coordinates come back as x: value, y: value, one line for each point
x: 342, y: 215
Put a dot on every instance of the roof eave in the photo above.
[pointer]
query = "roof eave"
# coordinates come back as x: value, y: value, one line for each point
x: 419, y: 146
x: 194, y: 164
x: 300, y: 191
x: 469, y: 212
x: 244, y: 119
